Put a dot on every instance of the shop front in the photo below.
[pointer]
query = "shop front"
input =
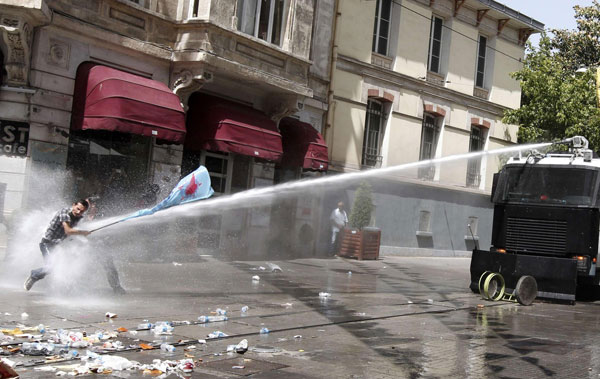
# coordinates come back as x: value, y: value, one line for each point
x: 240, y: 147
x: 117, y: 120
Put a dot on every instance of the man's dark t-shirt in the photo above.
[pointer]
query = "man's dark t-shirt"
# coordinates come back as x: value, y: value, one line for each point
x: 55, y: 232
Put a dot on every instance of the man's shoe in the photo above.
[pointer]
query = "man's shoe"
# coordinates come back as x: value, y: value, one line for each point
x: 119, y: 290
x: 29, y: 283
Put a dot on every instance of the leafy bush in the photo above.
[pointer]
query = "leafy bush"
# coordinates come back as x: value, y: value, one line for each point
x: 360, y: 216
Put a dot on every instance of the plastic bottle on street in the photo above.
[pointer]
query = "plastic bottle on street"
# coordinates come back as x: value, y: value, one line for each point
x: 264, y: 330
x: 168, y: 348
x: 41, y: 328
x: 221, y: 312
x: 202, y: 319
x: 244, y: 309
x: 145, y: 326
x: 217, y: 318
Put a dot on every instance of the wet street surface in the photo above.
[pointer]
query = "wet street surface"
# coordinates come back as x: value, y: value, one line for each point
x: 397, y: 317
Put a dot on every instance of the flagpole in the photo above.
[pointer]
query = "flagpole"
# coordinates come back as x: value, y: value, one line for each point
x: 105, y: 226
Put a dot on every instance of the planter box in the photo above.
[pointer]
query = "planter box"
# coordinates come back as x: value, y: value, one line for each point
x: 360, y: 244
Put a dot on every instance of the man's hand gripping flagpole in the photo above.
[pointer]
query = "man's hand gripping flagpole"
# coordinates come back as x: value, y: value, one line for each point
x: 194, y: 187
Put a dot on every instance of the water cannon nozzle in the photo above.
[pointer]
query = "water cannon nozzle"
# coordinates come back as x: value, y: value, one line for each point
x: 576, y: 142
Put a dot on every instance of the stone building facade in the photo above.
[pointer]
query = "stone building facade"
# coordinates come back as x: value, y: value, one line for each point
x: 257, y: 58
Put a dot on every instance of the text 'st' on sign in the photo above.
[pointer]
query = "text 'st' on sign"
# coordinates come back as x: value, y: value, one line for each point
x: 14, y: 137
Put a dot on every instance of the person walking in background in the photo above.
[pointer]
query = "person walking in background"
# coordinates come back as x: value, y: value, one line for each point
x: 338, y: 219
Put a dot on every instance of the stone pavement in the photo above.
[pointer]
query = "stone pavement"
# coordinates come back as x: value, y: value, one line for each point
x: 399, y: 317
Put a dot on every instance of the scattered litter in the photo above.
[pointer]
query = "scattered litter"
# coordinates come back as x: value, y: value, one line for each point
x: 168, y: 348
x: 110, y: 315
x: 187, y: 366
x: 238, y: 367
x: 205, y: 319
x: 479, y: 306
x: 360, y: 314
x: 244, y: 309
x: 324, y: 294
x: 297, y: 336
x: 221, y: 312
x: 45, y: 368
x: 133, y: 332
x: 255, y: 278
x: 145, y: 326
x: 410, y: 302
x: 202, y: 342
x: 162, y: 327
x: 281, y: 339
x: 287, y: 305
x: 349, y: 272
x: 41, y: 328
x: 264, y: 330
x: 301, y: 350
x: 24, y: 316
x: 217, y: 334
x: 122, y: 330
x: 144, y: 346
x: 430, y: 301
x: 6, y: 314
x: 190, y: 347
x: 61, y: 373
x: 242, y: 346
x: 274, y: 267
x: 177, y: 264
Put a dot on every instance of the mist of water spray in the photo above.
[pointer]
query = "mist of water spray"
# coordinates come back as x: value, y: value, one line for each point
x: 263, y: 196
x: 133, y: 239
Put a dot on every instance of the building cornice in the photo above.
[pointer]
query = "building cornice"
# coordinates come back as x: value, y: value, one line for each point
x: 403, y: 81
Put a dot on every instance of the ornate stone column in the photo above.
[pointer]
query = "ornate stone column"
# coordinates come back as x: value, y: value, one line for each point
x: 17, y: 36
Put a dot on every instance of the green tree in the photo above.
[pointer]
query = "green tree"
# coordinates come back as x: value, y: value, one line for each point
x: 556, y: 101
x: 360, y: 216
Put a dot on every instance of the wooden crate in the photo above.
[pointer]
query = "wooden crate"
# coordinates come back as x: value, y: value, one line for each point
x: 360, y: 244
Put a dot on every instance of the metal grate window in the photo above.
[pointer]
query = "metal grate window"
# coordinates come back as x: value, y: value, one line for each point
x: 481, y: 48
x: 476, y: 143
x: 429, y: 137
x: 435, y: 44
x: 381, y: 28
x: 373, y: 134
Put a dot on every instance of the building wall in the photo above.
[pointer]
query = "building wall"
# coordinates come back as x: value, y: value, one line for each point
x: 402, y: 81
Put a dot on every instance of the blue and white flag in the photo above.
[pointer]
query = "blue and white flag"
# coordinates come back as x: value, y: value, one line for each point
x: 195, y: 186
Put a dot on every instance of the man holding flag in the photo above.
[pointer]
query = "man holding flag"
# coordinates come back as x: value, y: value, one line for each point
x: 193, y: 187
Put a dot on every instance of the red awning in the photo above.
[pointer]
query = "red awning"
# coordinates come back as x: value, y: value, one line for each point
x: 220, y: 125
x: 303, y: 146
x: 110, y: 99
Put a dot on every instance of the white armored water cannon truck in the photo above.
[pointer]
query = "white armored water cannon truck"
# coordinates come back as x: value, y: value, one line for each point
x: 546, y: 223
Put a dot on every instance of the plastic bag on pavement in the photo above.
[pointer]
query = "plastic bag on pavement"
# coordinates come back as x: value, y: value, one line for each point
x: 274, y: 267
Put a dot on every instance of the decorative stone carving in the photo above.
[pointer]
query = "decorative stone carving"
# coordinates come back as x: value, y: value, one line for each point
x: 187, y: 83
x: 280, y: 106
x: 59, y: 53
x: 17, y: 35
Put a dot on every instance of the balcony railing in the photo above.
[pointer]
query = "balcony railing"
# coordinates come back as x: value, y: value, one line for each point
x: 381, y: 60
x: 481, y: 93
x: 372, y: 160
x: 427, y: 172
x: 474, y: 173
